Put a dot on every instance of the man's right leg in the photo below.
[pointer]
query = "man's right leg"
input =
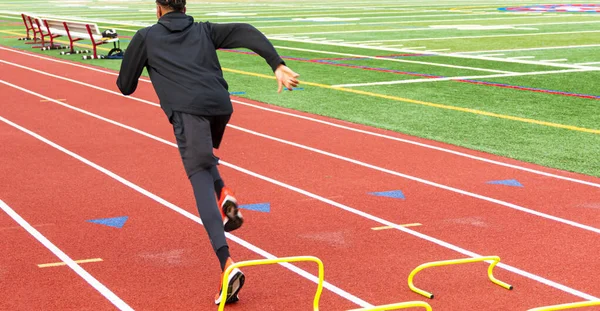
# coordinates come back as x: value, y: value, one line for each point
x: 228, y: 205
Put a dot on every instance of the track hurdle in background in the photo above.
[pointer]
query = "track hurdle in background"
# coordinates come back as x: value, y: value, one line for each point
x: 317, y: 298
x: 429, y: 295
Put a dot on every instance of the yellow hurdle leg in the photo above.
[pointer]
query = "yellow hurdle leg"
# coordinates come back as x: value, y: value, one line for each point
x: 429, y: 295
x: 270, y: 262
x: 568, y: 306
x: 396, y: 306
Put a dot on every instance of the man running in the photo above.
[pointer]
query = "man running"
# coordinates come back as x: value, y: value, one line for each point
x: 181, y: 59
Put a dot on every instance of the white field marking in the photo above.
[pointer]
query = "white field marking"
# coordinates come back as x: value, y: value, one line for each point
x: 377, y: 168
x: 522, y: 57
x: 455, y: 55
x: 438, y: 27
x: 257, y: 22
x: 394, y: 45
x: 592, y: 63
x: 438, y: 50
x: 393, y: 59
x: 489, y: 55
x: 536, y: 49
x: 286, y: 186
x: 554, y: 60
x: 170, y: 205
x: 417, y: 47
x: 344, y: 127
x: 103, y: 290
x: 102, y: 20
x: 535, y: 73
x: 283, y: 38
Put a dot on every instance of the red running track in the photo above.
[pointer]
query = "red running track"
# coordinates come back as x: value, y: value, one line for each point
x: 341, y: 239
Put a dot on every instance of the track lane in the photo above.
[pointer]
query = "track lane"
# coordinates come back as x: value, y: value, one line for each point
x: 271, y: 220
x: 548, y: 195
x: 159, y: 260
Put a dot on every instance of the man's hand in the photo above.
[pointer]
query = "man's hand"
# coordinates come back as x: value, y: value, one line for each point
x: 286, y: 77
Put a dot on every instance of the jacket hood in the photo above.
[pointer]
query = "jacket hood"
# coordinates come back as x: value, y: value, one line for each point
x: 176, y: 21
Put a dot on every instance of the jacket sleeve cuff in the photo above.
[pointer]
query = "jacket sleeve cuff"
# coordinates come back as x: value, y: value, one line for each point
x: 275, y: 63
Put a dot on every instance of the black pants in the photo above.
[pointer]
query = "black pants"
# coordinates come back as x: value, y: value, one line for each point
x: 196, y: 137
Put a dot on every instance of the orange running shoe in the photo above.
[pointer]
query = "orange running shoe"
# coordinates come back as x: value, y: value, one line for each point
x: 232, y: 217
x: 235, y: 282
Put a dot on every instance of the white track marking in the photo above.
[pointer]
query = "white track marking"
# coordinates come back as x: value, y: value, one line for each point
x: 344, y: 127
x: 101, y: 288
x: 333, y: 155
x: 284, y: 185
x: 429, y: 80
x: 592, y: 63
x: 168, y: 204
x: 454, y: 55
x: 536, y: 49
x: 490, y: 55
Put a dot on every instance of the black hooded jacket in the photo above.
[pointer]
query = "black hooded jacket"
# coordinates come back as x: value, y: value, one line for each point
x: 182, y: 62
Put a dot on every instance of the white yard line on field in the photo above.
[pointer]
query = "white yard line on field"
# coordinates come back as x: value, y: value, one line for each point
x: 451, y: 20
x: 393, y: 59
x: 455, y: 55
x: 461, y: 78
x: 536, y: 49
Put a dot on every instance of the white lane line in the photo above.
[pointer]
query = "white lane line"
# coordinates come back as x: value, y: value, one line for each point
x: 592, y: 63
x: 284, y: 185
x: 168, y: 204
x: 336, y: 156
x: 536, y: 49
x: 429, y: 80
x: 101, y: 288
x: 344, y: 127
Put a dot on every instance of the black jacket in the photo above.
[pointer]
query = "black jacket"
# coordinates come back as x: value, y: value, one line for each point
x: 182, y: 62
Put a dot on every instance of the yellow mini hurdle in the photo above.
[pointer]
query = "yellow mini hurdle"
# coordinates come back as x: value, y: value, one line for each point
x: 568, y: 306
x: 396, y: 306
x: 261, y: 262
x: 429, y: 295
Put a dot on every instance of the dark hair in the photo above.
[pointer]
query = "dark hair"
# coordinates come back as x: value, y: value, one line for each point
x: 176, y: 5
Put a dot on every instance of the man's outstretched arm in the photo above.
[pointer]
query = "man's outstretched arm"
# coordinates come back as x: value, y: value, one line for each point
x: 240, y: 35
x: 133, y: 64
